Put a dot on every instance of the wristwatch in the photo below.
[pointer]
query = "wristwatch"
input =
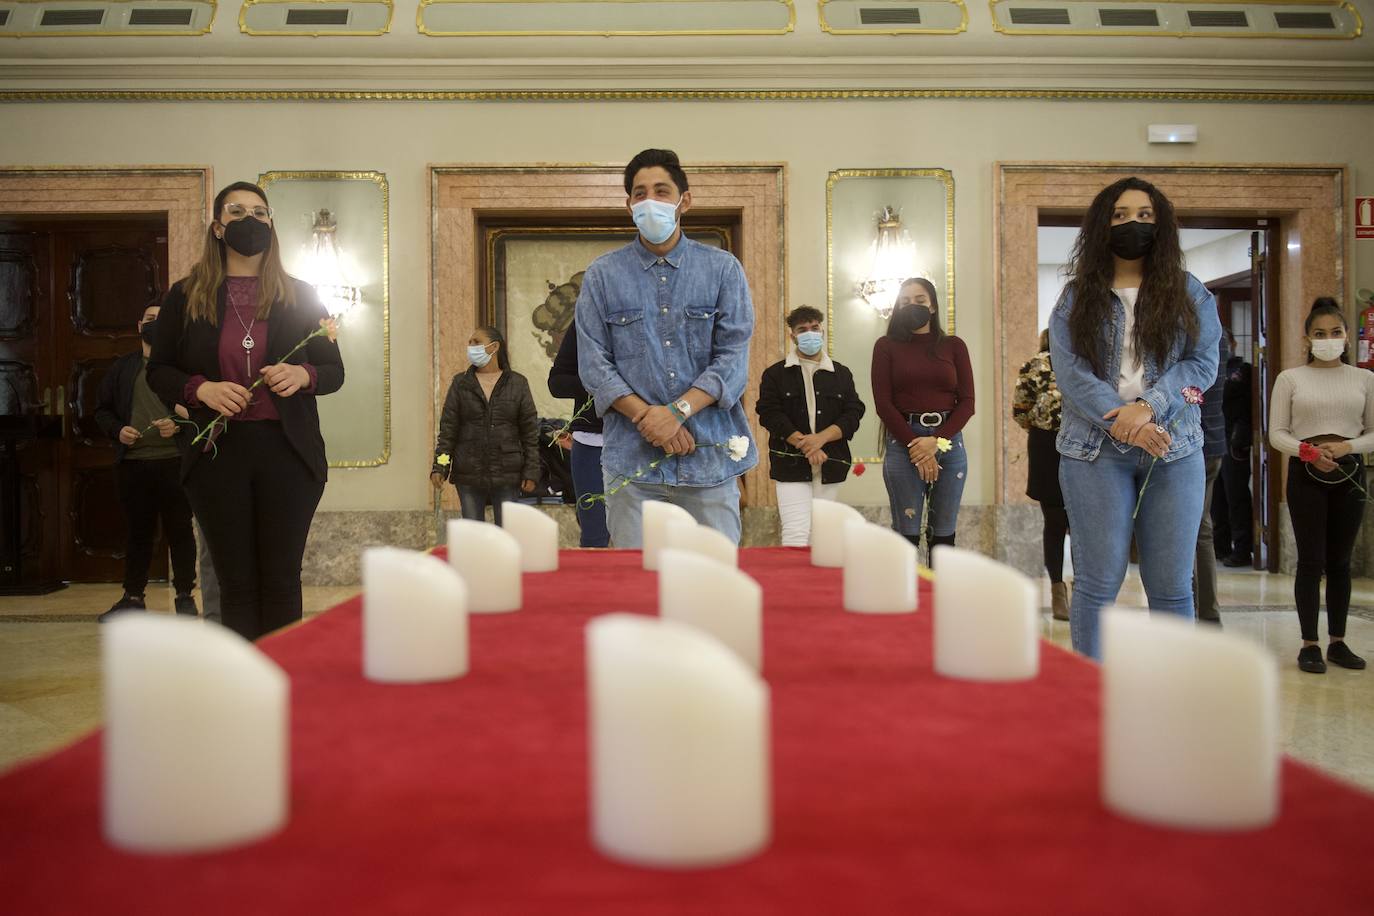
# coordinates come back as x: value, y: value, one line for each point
x: 684, y: 407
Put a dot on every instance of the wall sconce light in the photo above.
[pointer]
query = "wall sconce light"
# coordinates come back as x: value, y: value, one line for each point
x: 1172, y: 133
x: 327, y: 269
x: 892, y: 259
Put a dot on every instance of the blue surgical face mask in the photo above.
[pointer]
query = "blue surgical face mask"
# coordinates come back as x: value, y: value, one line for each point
x: 478, y: 355
x: 655, y: 220
x: 810, y: 342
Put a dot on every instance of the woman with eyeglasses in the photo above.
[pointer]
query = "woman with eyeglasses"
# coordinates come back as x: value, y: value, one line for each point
x: 923, y: 392
x: 254, y: 485
x: 1134, y: 344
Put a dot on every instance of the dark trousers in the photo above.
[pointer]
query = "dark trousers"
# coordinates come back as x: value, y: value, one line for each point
x: 473, y: 501
x: 1326, y: 518
x: 149, y: 490
x: 255, y: 501
x: 591, y: 516
x: 1052, y: 534
x: 1205, y: 558
x: 1232, y: 512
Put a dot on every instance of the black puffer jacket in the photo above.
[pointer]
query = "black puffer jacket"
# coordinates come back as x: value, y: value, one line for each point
x: 490, y: 444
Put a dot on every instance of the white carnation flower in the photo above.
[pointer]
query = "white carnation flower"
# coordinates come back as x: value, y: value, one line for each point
x: 739, y: 447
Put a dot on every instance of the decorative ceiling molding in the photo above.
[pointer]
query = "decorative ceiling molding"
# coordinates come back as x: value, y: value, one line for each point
x: 680, y: 95
x: 903, y: 74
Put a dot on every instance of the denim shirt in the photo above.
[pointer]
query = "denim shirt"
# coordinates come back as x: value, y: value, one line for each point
x: 656, y: 327
x: 1087, y: 397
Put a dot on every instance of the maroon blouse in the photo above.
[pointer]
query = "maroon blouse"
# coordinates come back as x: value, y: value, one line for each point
x: 907, y: 380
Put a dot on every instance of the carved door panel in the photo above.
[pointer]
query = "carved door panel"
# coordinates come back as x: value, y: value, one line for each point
x: 106, y: 275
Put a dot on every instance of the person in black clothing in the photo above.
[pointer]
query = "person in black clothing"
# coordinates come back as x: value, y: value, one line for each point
x: 1231, y: 505
x: 1037, y: 407
x: 586, y: 443
x: 147, y: 465
x: 255, y: 484
x: 488, y: 442
x: 809, y: 406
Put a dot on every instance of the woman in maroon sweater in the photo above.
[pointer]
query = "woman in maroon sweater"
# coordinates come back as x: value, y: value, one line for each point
x: 923, y: 392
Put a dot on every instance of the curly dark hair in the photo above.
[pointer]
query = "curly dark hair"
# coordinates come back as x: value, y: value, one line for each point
x: 665, y: 159
x: 803, y: 313
x: 1162, y: 308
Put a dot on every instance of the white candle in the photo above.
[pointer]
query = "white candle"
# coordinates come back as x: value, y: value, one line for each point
x: 714, y: 597
x: 1189, y: 724
x: 679, y: 745
x: 828, y: 520
x: 196, y: 737
x: 537, y: 534
x: 415, y: 617
x: 694, y: 538
x: 488, y: 559
x: 987, y: 619
x: 879, y: 570
x: 656, y: 517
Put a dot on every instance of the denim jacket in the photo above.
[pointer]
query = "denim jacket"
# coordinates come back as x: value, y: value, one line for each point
x: 656, y: 327
x: 1088, y: 396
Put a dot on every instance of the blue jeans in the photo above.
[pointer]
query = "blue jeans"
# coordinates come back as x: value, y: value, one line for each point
x: 715, y: 507
x: 474, y: 501
x: 907, y: 492
x: 586, y: 475
x: 1100, y: 496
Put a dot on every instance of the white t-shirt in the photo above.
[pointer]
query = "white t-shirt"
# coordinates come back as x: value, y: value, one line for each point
x: 1131, y: 383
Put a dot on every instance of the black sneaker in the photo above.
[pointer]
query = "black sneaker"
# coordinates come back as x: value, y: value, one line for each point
x: 185, y: 604
x: 1310, y: 660
x: 1338, y: 653
x: 1236, y: 560
x: 127, y: 603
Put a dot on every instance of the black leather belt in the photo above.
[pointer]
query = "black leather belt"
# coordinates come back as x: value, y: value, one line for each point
x: 928, y: 417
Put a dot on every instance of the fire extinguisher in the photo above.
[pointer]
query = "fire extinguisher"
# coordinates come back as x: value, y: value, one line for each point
x: 1365, y: 301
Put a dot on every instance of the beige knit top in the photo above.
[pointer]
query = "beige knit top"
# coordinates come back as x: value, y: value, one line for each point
x: 1309, y: 401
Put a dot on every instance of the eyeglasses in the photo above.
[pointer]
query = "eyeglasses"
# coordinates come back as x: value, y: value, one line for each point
x: 239, y: 211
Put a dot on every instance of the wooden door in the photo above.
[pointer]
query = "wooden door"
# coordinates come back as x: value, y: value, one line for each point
x: 1266, y: 472
x: 95, y: 279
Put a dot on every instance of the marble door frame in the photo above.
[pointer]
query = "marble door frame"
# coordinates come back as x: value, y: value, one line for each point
x: 1308, y: 201
x: 183, y: 193
x: 461, y: 195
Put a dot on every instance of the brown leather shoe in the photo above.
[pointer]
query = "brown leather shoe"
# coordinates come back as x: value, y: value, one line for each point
x: 1059, y: 600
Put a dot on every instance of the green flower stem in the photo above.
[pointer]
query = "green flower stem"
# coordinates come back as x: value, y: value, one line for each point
x: 784, y: 454
x: 223, y: 419
x: 567, y: 426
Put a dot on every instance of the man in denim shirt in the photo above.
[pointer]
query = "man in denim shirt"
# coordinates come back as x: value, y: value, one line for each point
x: 663, y: 328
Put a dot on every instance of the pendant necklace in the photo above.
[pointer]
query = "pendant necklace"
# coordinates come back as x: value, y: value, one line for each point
x: 247, y: 343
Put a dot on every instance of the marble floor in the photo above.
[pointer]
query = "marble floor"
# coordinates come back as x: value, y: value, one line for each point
x: 50, y: 670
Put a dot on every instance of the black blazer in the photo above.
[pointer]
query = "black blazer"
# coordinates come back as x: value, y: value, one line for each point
x: 115, y: 401
x: 564, y: 382
x: 782, y: 411
x: 181, y: 350
x: 492, y: 443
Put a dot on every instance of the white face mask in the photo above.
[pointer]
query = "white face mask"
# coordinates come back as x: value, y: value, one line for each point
x: 1329, y: 349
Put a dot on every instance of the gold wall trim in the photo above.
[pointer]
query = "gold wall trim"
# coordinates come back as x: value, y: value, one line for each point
x: 896, y: 30
x: 601, y: 33
x: 122, y: 33
x: 679, y: 95
x: 379, y: 179
x: 945, y: 177
x: 302, y: 33
x: 1161, y: 33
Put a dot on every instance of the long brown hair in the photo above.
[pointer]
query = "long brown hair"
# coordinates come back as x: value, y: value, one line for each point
x: 1162, y: 307
x: 207, y: 276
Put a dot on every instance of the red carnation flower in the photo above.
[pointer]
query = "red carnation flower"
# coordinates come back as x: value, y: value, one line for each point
x: 1308, y: 453
x: 859, y: 469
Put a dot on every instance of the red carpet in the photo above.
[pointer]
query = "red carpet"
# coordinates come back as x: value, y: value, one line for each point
x: 894, y: 791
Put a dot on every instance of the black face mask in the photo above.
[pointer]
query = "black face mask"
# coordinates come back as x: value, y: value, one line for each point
x: 248, y: 236
x: 1132, y: 241
x: 912, y: 318
x: 146, y: 332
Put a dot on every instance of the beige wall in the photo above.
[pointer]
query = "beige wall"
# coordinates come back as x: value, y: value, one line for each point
x: 240, y: 140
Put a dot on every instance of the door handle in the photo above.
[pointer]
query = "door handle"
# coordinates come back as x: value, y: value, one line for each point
x: 61, y: 401
x: 46, y: 404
